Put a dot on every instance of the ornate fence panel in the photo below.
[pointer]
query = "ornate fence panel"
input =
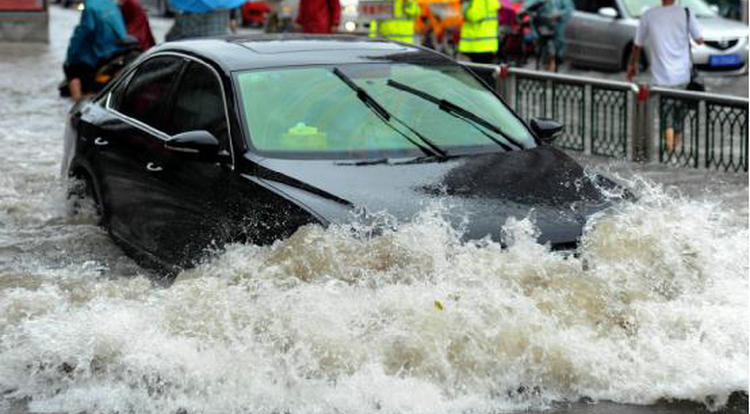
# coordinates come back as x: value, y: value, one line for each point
x: 726, y: 137
x: 531, y: 97
x: 698, y: 129
x: 568, y: 107
x: 620, y: 120
x: 596, y: 113
x: 679, y: 131
x: 609, y: 122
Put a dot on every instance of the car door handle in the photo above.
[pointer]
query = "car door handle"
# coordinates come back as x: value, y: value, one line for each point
x: 153, y: 167
x: 101, y: 142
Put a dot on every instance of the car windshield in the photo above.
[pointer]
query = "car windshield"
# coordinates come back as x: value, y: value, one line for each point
x: 311, y: 112
x: 636, y: 8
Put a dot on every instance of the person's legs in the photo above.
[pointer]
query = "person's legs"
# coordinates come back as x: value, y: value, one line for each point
x: 674, y: 131
x: 76, y: 89
x: 80, y: 80
x: 675, y: 121
x: 669, y: 139
x: 557, y: 46
x: 551, y: 63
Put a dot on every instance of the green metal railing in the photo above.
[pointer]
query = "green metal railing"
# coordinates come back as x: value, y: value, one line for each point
x: 701, y: 129
x: 568, y: 107
x: 726, y: 137
x: 678, y: 131
x: 596, y: 113
x: 622, y: 120
x: 609, y: 122
x: 531, y: 98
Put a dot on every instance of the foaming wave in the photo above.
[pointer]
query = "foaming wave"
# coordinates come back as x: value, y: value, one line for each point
x: 408, y: 318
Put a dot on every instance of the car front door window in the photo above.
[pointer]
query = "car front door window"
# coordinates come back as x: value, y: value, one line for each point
x: 199, y: 105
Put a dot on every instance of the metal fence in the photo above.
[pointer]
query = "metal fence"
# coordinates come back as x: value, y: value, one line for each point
x: 622, y: 120
x: 699, y: 129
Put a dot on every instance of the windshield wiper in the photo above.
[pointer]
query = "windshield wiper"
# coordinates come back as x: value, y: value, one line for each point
x: 459, y: 112
x: 386, y: 117
x: 367, y: 162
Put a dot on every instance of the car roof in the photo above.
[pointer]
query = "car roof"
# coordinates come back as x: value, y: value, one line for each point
x: 238, y: 53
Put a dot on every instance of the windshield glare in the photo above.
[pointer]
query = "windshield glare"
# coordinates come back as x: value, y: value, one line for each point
x: 310, y: 112
x: 699, y: 8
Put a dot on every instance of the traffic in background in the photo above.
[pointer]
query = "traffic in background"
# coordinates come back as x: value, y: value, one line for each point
x: 597, y: 36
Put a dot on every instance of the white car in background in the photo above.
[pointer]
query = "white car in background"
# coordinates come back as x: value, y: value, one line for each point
x: 601, y: 34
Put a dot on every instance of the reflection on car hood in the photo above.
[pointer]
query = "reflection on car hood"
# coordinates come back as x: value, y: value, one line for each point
x: 481, y: 192
x: 718, y: 28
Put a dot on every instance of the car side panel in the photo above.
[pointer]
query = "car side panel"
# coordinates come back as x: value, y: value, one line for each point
x: 110, y: 148
x: 594, y: 43
x: 188, y: 207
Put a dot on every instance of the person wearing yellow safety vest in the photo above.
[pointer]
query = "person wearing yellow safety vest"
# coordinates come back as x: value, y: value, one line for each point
x: 480, y: 30
x: 400, y: 26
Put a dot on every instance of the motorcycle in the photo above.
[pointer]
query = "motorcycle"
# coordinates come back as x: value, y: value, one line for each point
x: 109, y: 68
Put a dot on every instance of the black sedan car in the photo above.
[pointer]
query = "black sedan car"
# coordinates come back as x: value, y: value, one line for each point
x: 199, y: 143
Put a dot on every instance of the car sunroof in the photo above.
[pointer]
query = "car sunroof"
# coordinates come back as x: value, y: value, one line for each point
x: 289, y: 46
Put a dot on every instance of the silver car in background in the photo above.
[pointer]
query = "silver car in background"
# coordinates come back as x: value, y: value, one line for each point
x: 601, y: 34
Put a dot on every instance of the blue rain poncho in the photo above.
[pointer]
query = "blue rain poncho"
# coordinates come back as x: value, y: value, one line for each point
x: 97, y: 35
x: 204, y: 6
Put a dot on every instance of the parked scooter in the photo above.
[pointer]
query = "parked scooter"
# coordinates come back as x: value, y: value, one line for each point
x: 130, y: 50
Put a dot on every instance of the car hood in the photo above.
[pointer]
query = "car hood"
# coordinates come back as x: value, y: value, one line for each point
x: 718, y: 28
x: 478, y: 193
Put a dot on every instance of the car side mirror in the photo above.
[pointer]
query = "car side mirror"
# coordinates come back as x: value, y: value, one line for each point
x: 199, y: 144
x: 546, y: 129
x: 609, y: 12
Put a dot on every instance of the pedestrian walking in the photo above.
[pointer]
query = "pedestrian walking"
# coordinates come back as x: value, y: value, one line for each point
x: 666, y: 31
x: 201, y: 18
x: 189, y: 25
x: 96, y: 38
x: 319, y: 16
x: 136, y: 23
x: 553, y: 17
x: 400, y: 25
x: 479, y: 32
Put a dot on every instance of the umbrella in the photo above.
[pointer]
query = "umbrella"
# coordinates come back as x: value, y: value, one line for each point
x: 202, y: 6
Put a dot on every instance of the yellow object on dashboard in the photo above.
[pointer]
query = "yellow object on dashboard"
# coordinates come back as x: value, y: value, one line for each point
x: 302, y: 137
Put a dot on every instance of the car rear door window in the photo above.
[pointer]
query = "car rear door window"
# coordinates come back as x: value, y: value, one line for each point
x: 147, y: 91
x: 118, y: 92
x: 199, y: 104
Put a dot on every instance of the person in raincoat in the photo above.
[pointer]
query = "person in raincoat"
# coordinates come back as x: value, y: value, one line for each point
x: 189, y: 25
x: 94, y: 40
x: 555, y: 15
x: 479, y: 32
x: 400, y: 25
x: 319, y: 16
x: 136, y: 23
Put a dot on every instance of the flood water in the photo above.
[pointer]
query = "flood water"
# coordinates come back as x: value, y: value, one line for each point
x: 652, y: 317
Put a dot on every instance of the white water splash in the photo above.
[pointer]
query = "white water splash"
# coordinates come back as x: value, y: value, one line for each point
x: 412, y: 320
